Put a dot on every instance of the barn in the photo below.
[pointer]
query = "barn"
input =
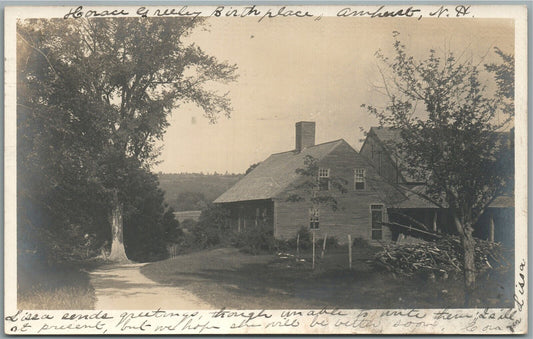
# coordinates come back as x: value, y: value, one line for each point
x: 263, y: 196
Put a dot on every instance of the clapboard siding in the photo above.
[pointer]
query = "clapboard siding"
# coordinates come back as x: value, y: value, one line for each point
x: 374, y: 151
x: 353, y: 215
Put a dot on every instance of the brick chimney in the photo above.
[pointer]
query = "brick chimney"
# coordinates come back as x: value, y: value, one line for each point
x: 305, y: 135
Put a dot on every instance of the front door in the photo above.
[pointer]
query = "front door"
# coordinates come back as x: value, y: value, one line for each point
x: 376, y: 212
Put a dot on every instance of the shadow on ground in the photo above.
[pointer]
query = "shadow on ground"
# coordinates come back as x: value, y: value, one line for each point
x: 228, y: 278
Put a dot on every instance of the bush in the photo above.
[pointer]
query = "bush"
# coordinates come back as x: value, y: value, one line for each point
x: 281, y: 245
x: 211, y: 228
x: 188, y: 224
x: 360, y: 243
x: 331, y: 242
x: 306, y: 239
x: 256, y: 240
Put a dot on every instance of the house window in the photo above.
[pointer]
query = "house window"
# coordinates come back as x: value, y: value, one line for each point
x: 314, y: 219
x: 323, y: 179
x: 359, y: 179
x: 376, y: 212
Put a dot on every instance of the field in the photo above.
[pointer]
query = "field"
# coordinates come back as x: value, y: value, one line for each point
x: 225, y: 277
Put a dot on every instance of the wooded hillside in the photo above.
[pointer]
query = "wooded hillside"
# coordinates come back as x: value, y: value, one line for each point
x: 193, y: 191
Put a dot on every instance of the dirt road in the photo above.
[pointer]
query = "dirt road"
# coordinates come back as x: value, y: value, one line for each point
x: 121, y: 287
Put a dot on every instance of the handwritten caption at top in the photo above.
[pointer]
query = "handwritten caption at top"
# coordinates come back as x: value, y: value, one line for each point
x: 262, y: 13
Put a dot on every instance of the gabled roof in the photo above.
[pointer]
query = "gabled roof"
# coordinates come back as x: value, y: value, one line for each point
x: 387, y: 134
x: 275, y: 174
x: 389, y: 138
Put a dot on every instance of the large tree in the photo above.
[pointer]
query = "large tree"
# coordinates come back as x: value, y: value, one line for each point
x: 451, y: 126
x: 98, y: 93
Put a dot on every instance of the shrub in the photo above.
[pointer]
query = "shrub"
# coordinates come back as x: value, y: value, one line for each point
x: 360, y: 243
x: 188, y: 224
x: 281, y: 245
x: 205, y: 235
x: 256, y: 240
x: 210, y: 229
x: 306, y: 239
x: 331, y: 242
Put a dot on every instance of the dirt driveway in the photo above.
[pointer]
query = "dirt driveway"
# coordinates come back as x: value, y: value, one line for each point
x: 119, y: 287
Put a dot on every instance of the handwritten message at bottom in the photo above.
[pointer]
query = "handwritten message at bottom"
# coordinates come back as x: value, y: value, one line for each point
x: 224, y: 321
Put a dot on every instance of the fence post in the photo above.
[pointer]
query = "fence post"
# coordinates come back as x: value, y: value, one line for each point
x: 491, y: 229
x: 324, y: 246
x: 313, y: 249
x: 298, y: 245
x: 350, y: 250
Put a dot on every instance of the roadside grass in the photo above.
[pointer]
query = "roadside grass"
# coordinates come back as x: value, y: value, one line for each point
x: 225, y: 277
x: 65, y: 287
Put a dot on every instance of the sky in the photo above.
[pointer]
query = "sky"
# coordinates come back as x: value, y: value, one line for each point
x: 294, y: 70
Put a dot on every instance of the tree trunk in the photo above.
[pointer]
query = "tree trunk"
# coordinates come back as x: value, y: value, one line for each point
x: 470, y: 265
x: 118, y: 253
x: 468, y: 242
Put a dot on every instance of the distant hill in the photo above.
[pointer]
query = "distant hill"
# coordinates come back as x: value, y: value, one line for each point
x: 193, y: 191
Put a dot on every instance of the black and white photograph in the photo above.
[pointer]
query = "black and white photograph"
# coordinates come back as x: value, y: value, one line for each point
x: 266, y: 169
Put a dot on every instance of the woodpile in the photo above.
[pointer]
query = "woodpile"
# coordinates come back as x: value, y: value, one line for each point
x: 441, y: 258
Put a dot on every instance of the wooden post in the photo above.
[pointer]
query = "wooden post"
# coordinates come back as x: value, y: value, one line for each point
x: 350, y: 250
x: 298, y: 245
x: 324, y: 246
x: 435, y: 222
x: 313, y: 249
x: 491, y: 230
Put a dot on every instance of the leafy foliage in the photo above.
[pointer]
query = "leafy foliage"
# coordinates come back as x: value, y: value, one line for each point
x: 360, y: 243
x: 212, y: 227
x: 331, y: 242
x: 93, y: 97
x: 504, y: 76
x: 452, y: 144
x: 310, y: 186
x: 148, y: 224
x: 451, y: 136
x: 257, y: 240
x: 306, y: 239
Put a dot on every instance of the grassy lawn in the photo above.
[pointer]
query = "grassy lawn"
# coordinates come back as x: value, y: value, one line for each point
x: 64, y: 287
x: 225, y: 277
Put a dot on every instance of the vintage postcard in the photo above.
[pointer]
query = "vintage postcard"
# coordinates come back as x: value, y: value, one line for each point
x: 264, y: 169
